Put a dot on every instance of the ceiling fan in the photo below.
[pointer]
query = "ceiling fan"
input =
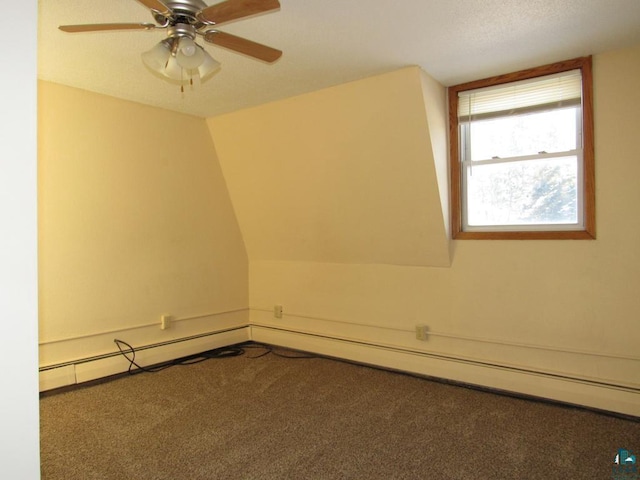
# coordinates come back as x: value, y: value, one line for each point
x: 178, y: 58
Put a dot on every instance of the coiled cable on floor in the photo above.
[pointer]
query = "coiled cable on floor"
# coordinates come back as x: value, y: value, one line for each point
x: 130, y: 354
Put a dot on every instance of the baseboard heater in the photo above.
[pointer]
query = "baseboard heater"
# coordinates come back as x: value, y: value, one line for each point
x: 81, y: 370
x: 569, y: 389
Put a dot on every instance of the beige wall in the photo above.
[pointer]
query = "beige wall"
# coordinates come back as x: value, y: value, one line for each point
x: 341, y: 200
x: 313, y: 173
x: 135, y: 221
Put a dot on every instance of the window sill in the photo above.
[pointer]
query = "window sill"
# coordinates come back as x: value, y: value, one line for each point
x: 537, y: 235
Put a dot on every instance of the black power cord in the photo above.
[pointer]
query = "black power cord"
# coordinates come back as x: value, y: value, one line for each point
x: 130, y: 354
x: 224, y: 352
x: 268, y: 349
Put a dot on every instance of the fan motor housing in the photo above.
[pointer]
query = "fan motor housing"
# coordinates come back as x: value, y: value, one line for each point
x: 186, y: 6
x: 182, y: 11
x: 181, y: 30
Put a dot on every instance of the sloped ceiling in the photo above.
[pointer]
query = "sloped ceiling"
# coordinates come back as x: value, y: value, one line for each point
x: 329, y: 42
x: 356, y: 183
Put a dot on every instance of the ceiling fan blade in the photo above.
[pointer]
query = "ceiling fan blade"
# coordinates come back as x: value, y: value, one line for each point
x: 233, y: 9
x: 99, y: 27
x: 157, y: 6
x: 242, y: 45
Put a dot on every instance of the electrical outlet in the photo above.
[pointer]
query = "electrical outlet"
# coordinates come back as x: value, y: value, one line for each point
x: 165, y: 322
x: 422, y: 332
x: 277, y: 311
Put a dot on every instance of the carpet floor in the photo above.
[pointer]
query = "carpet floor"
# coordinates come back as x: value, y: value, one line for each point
x: 271, y: 417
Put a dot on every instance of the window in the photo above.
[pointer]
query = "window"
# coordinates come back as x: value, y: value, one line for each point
x: 522, y: 154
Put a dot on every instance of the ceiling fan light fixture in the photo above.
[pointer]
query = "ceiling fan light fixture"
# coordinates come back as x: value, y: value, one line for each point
x: 208, y: 67
x: 189, y: 55
x: 166, y: 61
x: 186, y: 46
x: 174, y: 71
x: 156, y: 58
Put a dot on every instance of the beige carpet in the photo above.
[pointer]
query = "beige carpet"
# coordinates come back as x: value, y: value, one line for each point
x: 281, y: 418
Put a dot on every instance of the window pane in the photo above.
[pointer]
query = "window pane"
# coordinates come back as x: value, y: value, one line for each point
x: 517, y: 135
x: 530, y: 192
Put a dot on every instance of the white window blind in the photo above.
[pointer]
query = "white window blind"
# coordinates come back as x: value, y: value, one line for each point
x: 550, y: 91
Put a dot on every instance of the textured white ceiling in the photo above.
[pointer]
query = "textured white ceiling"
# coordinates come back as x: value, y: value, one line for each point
x: 328, y: 42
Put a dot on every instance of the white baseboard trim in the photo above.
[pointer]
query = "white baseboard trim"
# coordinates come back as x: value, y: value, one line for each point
x: 67, y: 366
x: 57, y: 377
x: 85, y: 369
x: 564, y: 389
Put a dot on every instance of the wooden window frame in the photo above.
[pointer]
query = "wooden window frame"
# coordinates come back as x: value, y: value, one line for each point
x: 589, y: 230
